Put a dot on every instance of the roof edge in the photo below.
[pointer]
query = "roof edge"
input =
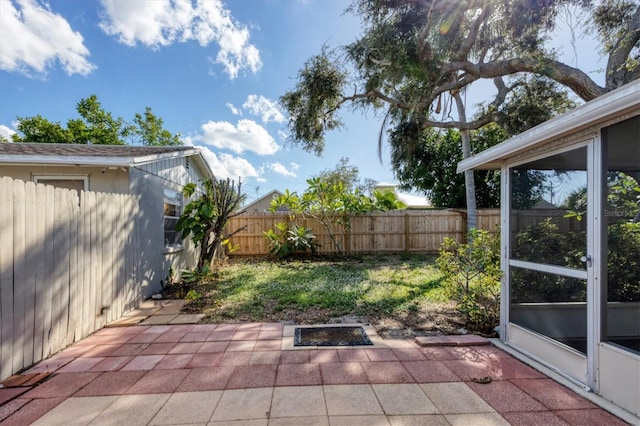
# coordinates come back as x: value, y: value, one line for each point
x: 616, y: 102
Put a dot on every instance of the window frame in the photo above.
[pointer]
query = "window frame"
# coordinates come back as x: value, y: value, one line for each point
x: 39, y: 178
x: 174, y: 198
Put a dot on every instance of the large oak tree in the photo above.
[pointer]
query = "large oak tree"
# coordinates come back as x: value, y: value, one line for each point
x: 416, y: 58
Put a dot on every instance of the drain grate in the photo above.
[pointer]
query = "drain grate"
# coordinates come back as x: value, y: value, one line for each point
x: 330, y: 336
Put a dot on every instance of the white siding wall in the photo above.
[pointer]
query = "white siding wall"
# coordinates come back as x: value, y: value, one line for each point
x: 149, y: 180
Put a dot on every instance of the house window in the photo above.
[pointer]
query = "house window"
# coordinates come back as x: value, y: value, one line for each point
x: 75, y: 182
x: 172, y: 212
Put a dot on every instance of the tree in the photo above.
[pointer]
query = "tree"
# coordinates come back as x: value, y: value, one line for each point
x: 328, y: 203
x: 96, y: 126
x: 416, y: 57
x: 205, y: 217
x: 348, y: 174
x: 426, y: 159
x: 150, y: 132
x: 345, y: 173
x: 386, y: 200
x: 430, y: 166
x: 39, y: 129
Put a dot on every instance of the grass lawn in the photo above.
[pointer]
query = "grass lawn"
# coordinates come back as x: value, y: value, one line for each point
x: 391, y: 292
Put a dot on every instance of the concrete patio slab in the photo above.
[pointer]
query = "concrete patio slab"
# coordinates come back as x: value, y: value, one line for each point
x: 8, y: 408
x: 343, y: 373
x: 235, y: 374
x: 128, y: 321
x: 359, y: 421
x: 299, y: 421
x: 478, y: 419
x: 187, y: 408
x: 244, y: 404
x: 351, y: 400
x: 132, y: 410
x: 81, y: 410
x: 418, y: 420
x: 298, y: 402
x: 186, y: 319
x: 111, y: 383
x: 158, y: 319
x: 403, y: 399
x: 455, y: 398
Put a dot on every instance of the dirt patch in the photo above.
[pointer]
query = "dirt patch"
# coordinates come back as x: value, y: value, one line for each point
x: 430, y: 319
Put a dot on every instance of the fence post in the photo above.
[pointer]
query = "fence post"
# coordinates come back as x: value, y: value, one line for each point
x: 463, y: 218
x: 406, y: 232
x: 347, y: 242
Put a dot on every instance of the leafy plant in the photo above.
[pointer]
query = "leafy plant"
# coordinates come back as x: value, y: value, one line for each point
x: 195, y: 275
x: 193, y: 295
x: 331, y: 204
x: 169, y: 279
x: 286, y: 240
x: 205, y: 217
x: 386, y: 200
x: 472, y: 278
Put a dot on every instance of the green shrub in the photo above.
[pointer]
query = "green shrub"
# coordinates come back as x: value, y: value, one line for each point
x: 286, y: 240
x: 193, y: 295
x: 196, y: 275
x: 472, y: 278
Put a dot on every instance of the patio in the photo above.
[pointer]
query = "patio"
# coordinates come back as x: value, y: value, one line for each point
x: 251, y: 374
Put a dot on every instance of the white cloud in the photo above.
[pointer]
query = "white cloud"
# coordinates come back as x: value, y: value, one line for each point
x: 6, y: 132
x: 228, y: 166
x: 246, y: 136
x: 158, y: 23
x: 263, y: 107
x: 281, y: 169
x: 33, y: 38
x: 233, y: 109
x: 282, y: 135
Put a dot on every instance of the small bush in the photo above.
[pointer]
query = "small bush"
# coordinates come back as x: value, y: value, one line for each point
x: 472, y: 278
x: 285, y: 240
x: 193, y: 295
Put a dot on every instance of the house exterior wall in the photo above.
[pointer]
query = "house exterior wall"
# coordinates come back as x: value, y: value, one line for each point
x: 262, y: 204
x: 115, y: 181
x: 149, y: 182
x: 178, y: 170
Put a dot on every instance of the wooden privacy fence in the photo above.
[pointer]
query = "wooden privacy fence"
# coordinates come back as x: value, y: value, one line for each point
x: 68, y: 265
x: 402, y: 231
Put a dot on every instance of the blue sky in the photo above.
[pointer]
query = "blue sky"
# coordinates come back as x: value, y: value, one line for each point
x: 212, y: 70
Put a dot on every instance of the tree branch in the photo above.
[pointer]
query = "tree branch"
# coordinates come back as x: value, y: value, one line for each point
x: 235, y: 232
x: 465, y: 48
x: 503, y: 91
x: 617, y: 74
x: 467, y: 125
x: 575, y: 79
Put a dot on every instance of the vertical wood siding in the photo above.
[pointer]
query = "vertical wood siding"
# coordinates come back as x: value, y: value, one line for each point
x: 68, y: 265
x: 173, y: 170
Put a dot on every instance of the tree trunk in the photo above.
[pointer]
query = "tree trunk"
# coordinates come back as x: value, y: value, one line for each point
x: 469, y: 184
